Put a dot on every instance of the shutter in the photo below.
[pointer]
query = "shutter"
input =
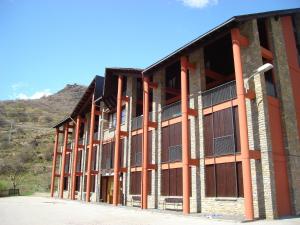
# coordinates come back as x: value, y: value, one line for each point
x: 210, y: 185
x: 150, y: 147
x: 179, y: 182
x: 208, y: 135
x: 226, y: 180
x: 165, y: 144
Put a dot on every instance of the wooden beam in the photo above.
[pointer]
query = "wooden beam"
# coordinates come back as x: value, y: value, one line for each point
x: 266, y: 54
x: 214, y: 75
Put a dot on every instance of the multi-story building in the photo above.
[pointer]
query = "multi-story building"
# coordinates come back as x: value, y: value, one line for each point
x: 195, y: 131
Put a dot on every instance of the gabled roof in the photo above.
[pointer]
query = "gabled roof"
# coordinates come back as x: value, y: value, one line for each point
x: 215, y: 33
x: 95, y: 87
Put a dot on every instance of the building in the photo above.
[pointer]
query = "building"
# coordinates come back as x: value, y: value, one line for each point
x: 185, y: 134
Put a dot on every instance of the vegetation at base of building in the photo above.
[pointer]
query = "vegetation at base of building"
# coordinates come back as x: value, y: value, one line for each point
x: 27, y: 136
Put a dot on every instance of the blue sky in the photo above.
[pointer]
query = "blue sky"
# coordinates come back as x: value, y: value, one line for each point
x: 46, y: 44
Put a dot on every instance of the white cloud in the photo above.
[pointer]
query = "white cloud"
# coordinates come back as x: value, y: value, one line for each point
x: 199, y: 3
x: 18, y: 85
x: 36, y: 95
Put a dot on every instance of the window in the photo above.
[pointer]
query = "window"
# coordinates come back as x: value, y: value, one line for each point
x: 171, y: 143
x: 112, y: 119
x: 94, y: 158
x: 135, y: 182
x: 171, y: 182
x: 67, y: 165
x: 66, y: 183
x: 296, y: 28
x: 172, y: 81
x: 221, y: 132
x: 123, y: 115
x: 224, y: 180
x: 108, y: 155
x: 79, y: 160
x: 77, y: 183
x: 136, y: 149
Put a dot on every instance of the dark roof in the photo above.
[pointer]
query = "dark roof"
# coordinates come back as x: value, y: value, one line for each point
x: 62, y: 122
x: 95, y: 87
x: 215, y: 33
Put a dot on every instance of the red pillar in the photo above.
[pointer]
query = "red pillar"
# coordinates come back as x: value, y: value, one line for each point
x: 145, y: 144
x: 117, y: 143
x: 54, y: 162
x: 63, y: 160
x: 246, y: 166
x: 78, y: 121
x: 90, y: 152
x: 185, y: 139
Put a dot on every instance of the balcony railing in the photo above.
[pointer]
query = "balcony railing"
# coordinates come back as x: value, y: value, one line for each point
x: 137, y: 122
x: 171, y: 111
x: 220, y: 94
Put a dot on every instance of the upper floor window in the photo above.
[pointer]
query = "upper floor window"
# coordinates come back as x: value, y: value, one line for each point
x: 296, y: 28
x: 112, y: 119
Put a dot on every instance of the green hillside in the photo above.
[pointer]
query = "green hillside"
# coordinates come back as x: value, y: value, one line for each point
x: 26, y: 138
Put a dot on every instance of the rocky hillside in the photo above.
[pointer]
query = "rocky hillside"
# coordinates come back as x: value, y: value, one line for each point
x: 26, y: 136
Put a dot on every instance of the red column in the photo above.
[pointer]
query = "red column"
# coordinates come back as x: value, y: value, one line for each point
x: 117, y: 143
x: 185, y: 138
x: 90, y: 152
x: 246, y: 166
x: 63, y: 160
x: 78, y: 121
x: 54, y: 162
x: 145, y: 144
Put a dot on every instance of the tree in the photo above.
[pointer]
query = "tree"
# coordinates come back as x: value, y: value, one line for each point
x: 14, y: 169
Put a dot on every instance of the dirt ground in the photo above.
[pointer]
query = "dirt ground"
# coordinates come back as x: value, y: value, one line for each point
x: 36, y: 210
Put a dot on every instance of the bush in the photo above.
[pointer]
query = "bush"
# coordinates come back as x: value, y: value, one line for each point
x: 3, y: 185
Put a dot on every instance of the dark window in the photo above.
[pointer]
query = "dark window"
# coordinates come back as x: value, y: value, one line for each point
x: 224, y: 180
x: 263, y: 33
x: 172, y: 81
x: 79, y: 160
x: 136, y: 150
x: 135, y: 182
x: 67, y: 165
x: 93, y: 180
x: 94, y: 159
x: 270, y: 83
x: 77, y: 183
x: 221, y: 132
x: 296, y: 28
x: 66, y: 183
x: 108, y: 155
x: 171, y: 182
x: 171, y: 143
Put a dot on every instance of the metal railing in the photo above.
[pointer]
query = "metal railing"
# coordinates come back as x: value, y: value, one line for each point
x: 219, y: 94
x: 171, y: 111
x: 137, y: 122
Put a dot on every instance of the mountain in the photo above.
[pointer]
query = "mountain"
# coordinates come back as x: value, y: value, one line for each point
x: 26, y: 135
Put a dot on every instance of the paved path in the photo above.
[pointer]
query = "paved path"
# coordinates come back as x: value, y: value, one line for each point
x: 47, y: 211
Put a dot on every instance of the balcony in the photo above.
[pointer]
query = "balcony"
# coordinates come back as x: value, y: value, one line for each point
x: 137, y: 122
x: 171, y: 111
x: 220, y: 94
